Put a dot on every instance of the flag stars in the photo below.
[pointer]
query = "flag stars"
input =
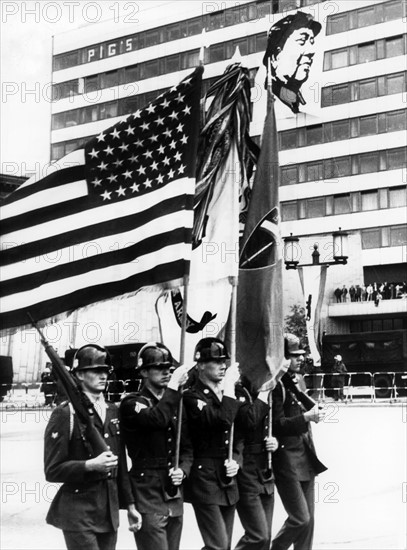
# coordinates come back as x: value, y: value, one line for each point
x: 141, y: 170
x: 137, y: 114
x: 173, y: 115
x: 103, y: 166
x: 135, y: 188
x: 171, y: 173
x: 118, y: 163
x: 160, y: 178
x: 184, y: 139
x: 109, y: 150
x: 148, y: 183
x: 177, y: 156
x: 151, y: 109
x: 180, y: 98
x: 121, y: 192
x: 93, y: 153
x: 187, y: 81
x: 153, y: 138
x: 97, y: 182
x: 181, y: 169
x: 115, y: 134
x: 159, y: 121
x: 161, y: 149
x: 130, y: 130
x: 133, y: 158
x: 112, y: 178
x: 166, y: 161
x: 180, y: 127
x: 165, y: 104
x: 167, y: 132
x: 127, y: 174
x: 124, y: 146
x: 106, y: 195
x: 139, y: 142
x: 154, y: 165
x: 101, y: 136
x: 145, y: 126
x: 186, y: 110
x: 173, y: 144
x: 148, y: 154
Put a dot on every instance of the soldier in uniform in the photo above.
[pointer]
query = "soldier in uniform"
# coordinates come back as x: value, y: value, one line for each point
x: 255, y: 478
x: 149, y: 424
x: 295, y: 462
x: 211, y: 411
x: 86, y: 506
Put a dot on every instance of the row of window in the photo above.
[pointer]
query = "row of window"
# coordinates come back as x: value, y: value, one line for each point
x: 156, y: 67
x: 367, y: 88
x: 376, y: 325
x: 346, y: 203
x: 379, y: 237
x: 339, y: 167
x: 379, y: 123
x: 364, y: 53
x: 210, y: 21
x: 364, y: 17
x: 111, y: 109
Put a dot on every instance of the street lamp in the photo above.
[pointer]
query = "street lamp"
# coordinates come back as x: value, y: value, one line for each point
x: 339, y: 243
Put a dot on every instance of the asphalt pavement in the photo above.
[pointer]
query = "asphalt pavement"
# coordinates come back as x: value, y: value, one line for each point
x: 360, y: 500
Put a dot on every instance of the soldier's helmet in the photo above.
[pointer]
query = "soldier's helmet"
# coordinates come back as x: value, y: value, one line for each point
x: 292, y: 345
x: 210, y: 349
x: 91, y: 356
x: 154, y: 354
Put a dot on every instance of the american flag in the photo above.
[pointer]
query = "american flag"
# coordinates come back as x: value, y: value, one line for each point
x: 111, y: 218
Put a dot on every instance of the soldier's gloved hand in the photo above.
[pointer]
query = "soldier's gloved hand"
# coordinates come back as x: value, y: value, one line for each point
x: 316, y: 414
x: 135, y: 519
x: 271, y: 444
x: 102, y: 463
x: 232, y: 467
x: 232, y: 375
x: 179, y: 377
x: 176, y: 476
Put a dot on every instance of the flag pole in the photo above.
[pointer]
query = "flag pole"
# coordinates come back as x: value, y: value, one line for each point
x: 232, y: 334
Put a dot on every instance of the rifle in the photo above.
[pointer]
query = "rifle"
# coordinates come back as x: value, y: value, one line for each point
x: 302, y: 397
x: 81, y: 404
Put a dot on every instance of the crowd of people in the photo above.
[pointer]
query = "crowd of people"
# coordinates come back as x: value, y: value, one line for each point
x: 371, y: 292
x: 204, y: 435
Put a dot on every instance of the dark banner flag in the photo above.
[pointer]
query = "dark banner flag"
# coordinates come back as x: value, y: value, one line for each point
x: 112, y: 217
x: 259, y: 324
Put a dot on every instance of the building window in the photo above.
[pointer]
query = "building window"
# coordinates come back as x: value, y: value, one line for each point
x: 394, y: 46
x: 368, y: 125
x: 289, y: 175
x: 366, y: 17
x: 315, y: 208
x: 396, y: 159
x: 398, y: 235
x: 289, y: 211
x: 340, y: 130
x: 288, y: 139
x: 342, y: 204
x: 370, y: 238
x: 314, y: 134
x: 395, y: 84
x: 315, y: 171
x: 369, y: 200
x: 397, y: 120
x: 367, y: 89
x: 109, y: 79
x: 368, y: 163
x: 366, y: 52
x: 397, y: 197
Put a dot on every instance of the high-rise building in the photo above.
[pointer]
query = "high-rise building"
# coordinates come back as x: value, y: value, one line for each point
x: 343, y: 157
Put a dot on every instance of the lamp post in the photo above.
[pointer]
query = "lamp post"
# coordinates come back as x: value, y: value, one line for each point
x: 339, y: 244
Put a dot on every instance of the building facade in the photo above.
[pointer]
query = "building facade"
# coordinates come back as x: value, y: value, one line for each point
x: 343, y: 157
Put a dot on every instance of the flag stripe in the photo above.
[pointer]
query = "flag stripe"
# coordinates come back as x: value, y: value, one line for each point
x: 68, y: 302
x: 59, y: 243
x: 86, y: 280
x: 75, y: 213
x: 66, y: 175
x: 99, y: 261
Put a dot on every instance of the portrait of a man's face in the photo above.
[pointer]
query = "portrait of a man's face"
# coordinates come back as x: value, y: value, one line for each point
x: 289, y: 56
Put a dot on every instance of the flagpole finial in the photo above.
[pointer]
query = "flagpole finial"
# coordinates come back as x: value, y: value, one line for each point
x: 237, y: 56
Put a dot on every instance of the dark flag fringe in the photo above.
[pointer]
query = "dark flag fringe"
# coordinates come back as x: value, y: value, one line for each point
x: 227, y: 121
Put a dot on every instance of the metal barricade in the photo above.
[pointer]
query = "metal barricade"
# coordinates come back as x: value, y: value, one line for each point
x: 400, y: 384
x: 315, y: 385
x: 361, y: 383
x: 384, y: 385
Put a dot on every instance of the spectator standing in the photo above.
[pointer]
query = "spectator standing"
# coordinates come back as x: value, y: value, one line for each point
x: 344, y: 293
x: 339, y: 369
x: 338, y: 295
x: 369, y: 292
x: 352, y: 293
x: 358, y: 294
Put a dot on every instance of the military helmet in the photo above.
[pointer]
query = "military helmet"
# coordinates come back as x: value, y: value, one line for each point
x: 210, y: 349
x: 292, y: 345
x: 154, y: 354
x: 91, y: 356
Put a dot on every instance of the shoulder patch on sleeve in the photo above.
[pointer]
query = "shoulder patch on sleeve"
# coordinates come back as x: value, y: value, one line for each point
x: 200, y: 404
x: 139, y: 407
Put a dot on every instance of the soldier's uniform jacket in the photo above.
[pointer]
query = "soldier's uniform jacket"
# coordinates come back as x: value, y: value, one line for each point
x: 87, y: 501
x: 252, y: 423
x: 295, y: 457
x: 149, y: 428
x: 210, y: 420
